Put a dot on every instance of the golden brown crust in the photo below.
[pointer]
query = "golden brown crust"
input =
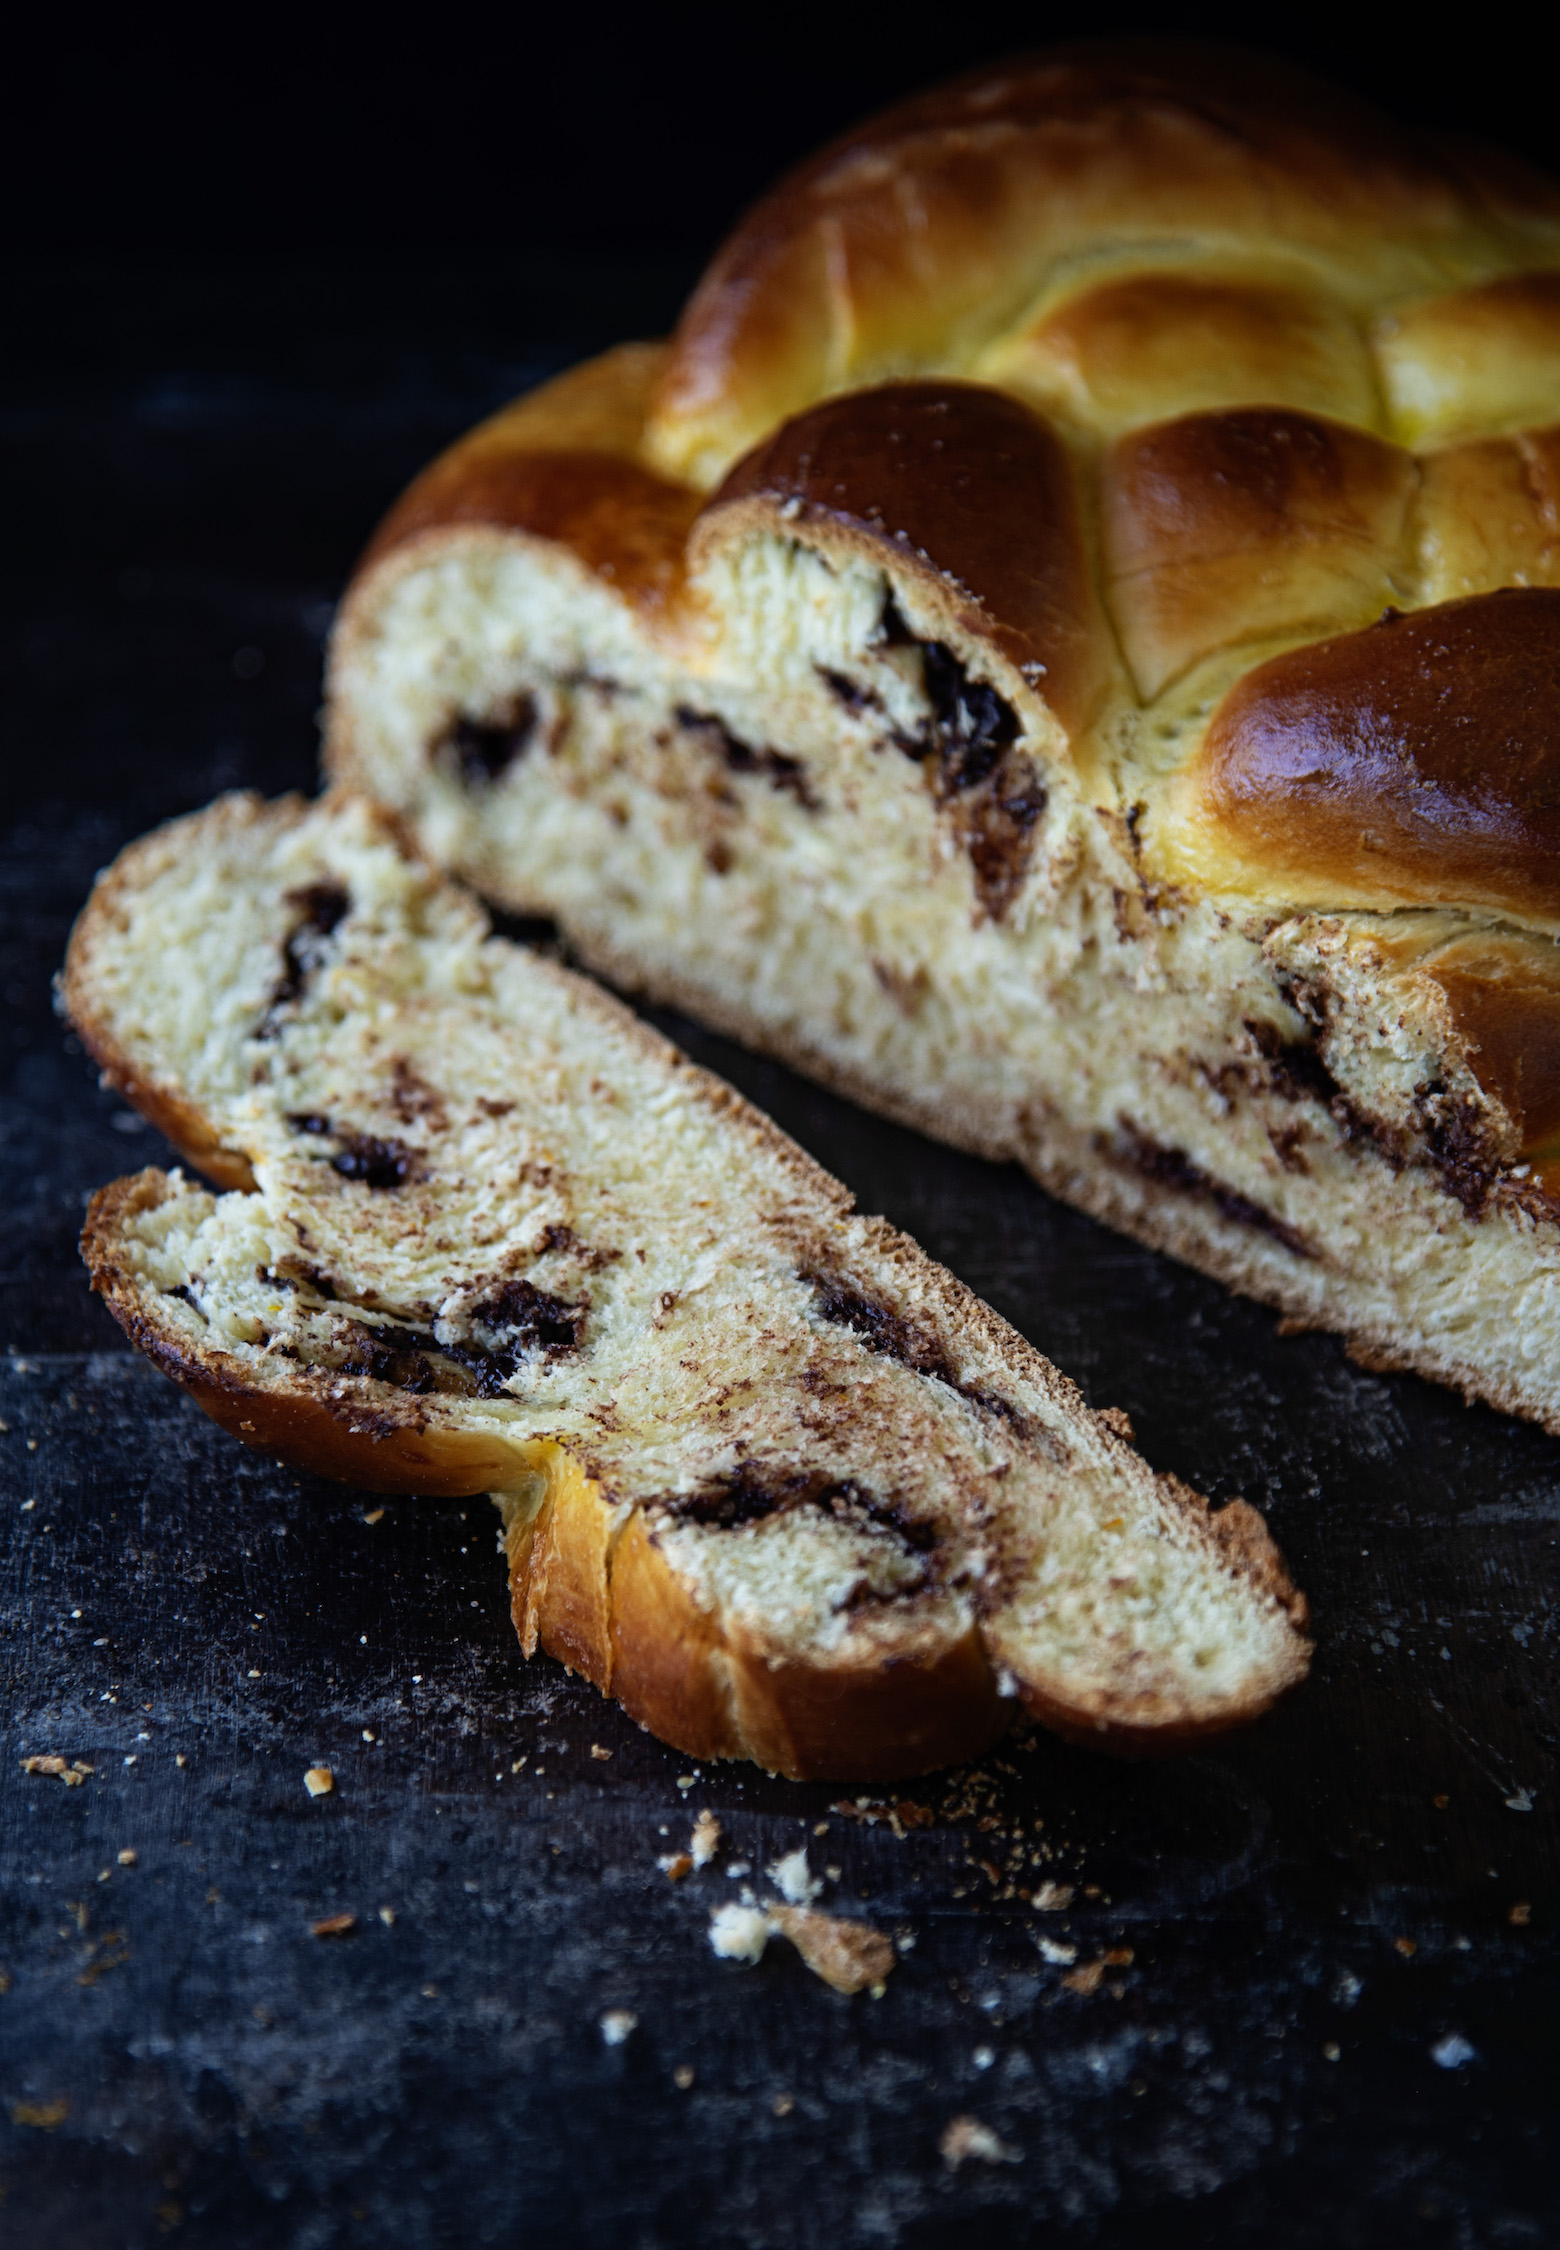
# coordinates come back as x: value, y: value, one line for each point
x: 1480, y: 359
x: 1488, y: 515
x: 965, y: 485
x: 1141, y: 348
x: 939, y: 220
x: 1416, y: 763
x: 1505, y: 1009
x: 1222, y: 528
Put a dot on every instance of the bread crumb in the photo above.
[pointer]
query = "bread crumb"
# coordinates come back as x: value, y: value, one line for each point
x: 966, y: 2137
x: 794, y: 1879
x: 683, y: 2076
x: 319, y: 1780
x: 127, y: 1858
x: 617, y: 2024
x: 1060, y: 1956
x: 73, y: 1775
x: 180, y: 1759
x: 333, y: 1925
x: 387, y: 1916
x: 705, y: 1840
x: 739, y: 1933
x: 1119, y: 1957
x: 1086, y: 1980
x: 783, y: 2104
x: 685, y: 1781
x: 1520, y: 1915
x: 847, y: 1955
x: 675, y: 1865
x: 1407, y: 1946
x: 597, y: 1751
x: 1053, y: 1898
x: 374, y: 1515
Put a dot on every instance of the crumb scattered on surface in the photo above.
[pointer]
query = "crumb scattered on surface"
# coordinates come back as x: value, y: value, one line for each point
x: 1119, y: 1957
x: 1061, y: 1956
x: 1407, y: 1946
x: 794, y: 1879
x: 739, y: 1933
x: 319, y: 1781
x: 127, y: 1858
x: 387, y: 1916
x: 1520, y: 1915
x: 598, y: 1750
x: 373, y: 1515
x: 72, y: 1772
x: 1053, y: 1898
x: 333, y: 1925
x: 966, y: 2137
x: 705, y: 1840
x: 617, y: 2024
x: 683, y: 2076
x: 1086, y: 1979
x: 783, y: 2104
x: 675, y: 1865
x: 847, y: 1955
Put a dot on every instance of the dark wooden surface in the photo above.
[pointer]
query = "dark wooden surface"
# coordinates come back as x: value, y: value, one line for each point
x: 1314, y: 1910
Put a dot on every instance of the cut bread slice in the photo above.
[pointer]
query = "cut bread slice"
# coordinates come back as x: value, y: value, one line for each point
x: 768, y: 1475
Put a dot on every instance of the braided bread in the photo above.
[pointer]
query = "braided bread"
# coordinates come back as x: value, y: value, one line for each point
x: 768, y: 1475
x: 1064, y: 644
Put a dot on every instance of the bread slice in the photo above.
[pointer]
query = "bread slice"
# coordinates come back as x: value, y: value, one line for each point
x: 769, y: 1476
x: 1065, y: 645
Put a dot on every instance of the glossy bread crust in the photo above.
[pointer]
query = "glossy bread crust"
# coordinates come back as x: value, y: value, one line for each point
x: 1412, y: 762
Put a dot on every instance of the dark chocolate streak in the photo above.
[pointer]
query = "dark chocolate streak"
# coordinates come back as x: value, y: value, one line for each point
x: 1173, y: 1168
x: 486, y: 748
x: 997, y: 794
x: 525, y: 1322
x: 320, y: 907
x: 893, y: 1337
x: 755, y: 1491
x: 777, y: 769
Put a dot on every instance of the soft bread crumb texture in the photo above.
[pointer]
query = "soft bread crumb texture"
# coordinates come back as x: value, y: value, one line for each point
x: 1306, y: 381
x: 765, y: 1472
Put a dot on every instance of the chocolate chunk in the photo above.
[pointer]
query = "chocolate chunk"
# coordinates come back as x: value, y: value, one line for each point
x: 1173, y: 1168
x: 972, y: 724
x: 881, y: 1330
x: 378, y: 1164
x: 484, y: 749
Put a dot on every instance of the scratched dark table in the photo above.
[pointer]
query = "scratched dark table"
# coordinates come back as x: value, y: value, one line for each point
x: 1337, y: 2024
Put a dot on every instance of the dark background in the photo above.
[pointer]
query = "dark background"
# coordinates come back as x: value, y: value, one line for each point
x: 258, y: 269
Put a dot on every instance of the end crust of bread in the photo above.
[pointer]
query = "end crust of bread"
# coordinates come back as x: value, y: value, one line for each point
x: 768, y: 1476
x: 1077, y: 673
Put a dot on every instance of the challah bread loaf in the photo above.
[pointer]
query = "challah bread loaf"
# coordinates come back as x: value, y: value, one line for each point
x: 1065, y: 644
x: 769, y: 1476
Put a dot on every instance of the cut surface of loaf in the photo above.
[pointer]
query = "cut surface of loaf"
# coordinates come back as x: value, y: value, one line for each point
x: 1064, y: 644
x: 768, y: 1475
